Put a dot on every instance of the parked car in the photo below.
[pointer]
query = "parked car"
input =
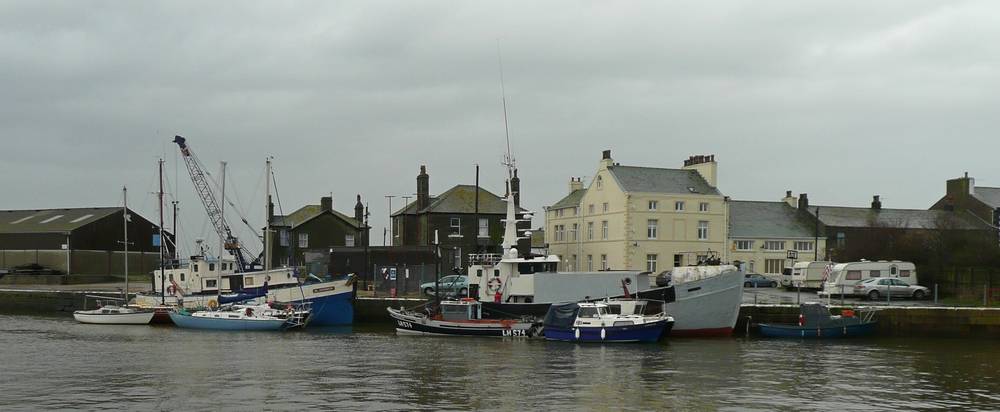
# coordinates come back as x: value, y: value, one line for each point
x: 876, y: 288
x: 756, y: 280
x: 786, y: 278
x: 450, y: 285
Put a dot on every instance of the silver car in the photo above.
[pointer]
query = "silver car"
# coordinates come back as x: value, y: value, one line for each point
x: 876, y: 288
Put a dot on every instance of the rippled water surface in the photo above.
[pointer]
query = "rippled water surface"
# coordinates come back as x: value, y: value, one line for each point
x: 55, y: 363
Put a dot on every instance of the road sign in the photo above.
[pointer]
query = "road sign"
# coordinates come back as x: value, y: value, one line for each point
x: 793, y: 254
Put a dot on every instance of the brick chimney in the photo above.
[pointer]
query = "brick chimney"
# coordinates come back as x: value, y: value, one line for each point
x: 359, y: 212
x: 423, y: 188
x: 706, y: 166
x: 876, y: 203
x: 575, y: 183
x: 791, y: 200
x: 606, y: 159
x: 326, y: 203
x: 803, y: 201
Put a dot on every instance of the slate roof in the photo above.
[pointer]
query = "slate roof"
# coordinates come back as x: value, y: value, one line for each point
x: 307, y: 213
x: 988, y: 195
x: 658, y: 180
x: 892, y: 218
x: 460, y: 199
x: 52, y: 220
x: 571, y: 200
x: 753, y: 219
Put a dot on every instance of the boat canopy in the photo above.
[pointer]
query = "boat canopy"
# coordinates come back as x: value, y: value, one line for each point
x: 561, y: 315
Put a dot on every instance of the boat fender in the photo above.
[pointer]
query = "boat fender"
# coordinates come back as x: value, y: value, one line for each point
x: 171, y: 289
x: 603, y: 334
x: 249, y: 312
x: 213, y: 304
x: 576, y: 333
x: 802, y: 320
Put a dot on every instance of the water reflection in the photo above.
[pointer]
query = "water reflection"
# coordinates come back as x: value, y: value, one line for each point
x: 56, y: 363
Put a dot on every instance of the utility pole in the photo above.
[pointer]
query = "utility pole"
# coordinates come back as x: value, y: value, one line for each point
x: 816, y: 238
x: 389, y: 197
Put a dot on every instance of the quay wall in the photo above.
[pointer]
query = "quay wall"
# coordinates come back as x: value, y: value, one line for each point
x: 894, y: 321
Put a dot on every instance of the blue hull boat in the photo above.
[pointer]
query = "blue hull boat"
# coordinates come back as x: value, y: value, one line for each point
x: 650, y: 332
x: 795, y: 331
x: 816, y: 322
x: 185, y: 320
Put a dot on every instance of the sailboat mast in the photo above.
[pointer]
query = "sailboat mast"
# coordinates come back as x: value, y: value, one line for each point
x: 163, y: 289
x: 267, y: 215
x: 125, y: 216
x: 222, y: 240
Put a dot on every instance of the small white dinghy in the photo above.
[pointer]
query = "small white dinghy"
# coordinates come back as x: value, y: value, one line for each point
x: 113, y: 314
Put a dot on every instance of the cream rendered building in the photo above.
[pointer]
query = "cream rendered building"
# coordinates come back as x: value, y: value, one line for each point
x: 639, y: 218
x: 761, y: 234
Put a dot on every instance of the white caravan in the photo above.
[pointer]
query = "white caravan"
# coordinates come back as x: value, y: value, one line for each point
x: 810, y: 275
x: 844, y: 276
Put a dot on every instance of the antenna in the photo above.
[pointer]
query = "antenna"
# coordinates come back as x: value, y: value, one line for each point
x: 508, y: 159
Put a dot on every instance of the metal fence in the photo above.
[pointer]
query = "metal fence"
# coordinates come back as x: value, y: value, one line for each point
x: 401, y: 280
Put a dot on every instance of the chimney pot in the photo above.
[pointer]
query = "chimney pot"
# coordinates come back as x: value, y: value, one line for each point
x: 876, y: 203
x: 788, y: 193
x: 606, y: 154
x: 326, y: 203
x: 803, y: 201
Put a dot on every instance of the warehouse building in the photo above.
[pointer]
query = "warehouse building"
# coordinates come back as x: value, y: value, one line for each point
x: 77, y: 241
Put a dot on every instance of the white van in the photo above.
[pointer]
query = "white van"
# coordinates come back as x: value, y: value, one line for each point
x: 810, y: 275
x: 844, y: 276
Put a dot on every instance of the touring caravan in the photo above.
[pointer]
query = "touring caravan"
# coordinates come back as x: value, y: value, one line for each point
x: 810, y: 275
x: 844, y: 276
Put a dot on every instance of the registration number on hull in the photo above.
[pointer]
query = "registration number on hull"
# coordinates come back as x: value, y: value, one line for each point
x: 404, y: 324
x: 515, y: 332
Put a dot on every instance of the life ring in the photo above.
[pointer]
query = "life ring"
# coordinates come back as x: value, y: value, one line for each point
x: 213, y: 304
x: 494, y: 285
x: 171, y: 289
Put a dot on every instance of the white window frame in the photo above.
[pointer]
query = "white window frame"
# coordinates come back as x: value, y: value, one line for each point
x: 604, y: 230
x: 652, y: 227
x: 349, y: 240
x: 703, y: 207
x: 283, y: 237
x: 774, y: 245
x: 573, y: 231
x: 303, y: 240
x: 590, y: 230
x: 484, y: 227
x: 604, y: 207
x: 604, y: 262
x: 744, y: 245
x: 702, y: 230
x: 679, y: 206
x: 651, y: 262
x: 590, y: 263
x: 455, y: 223
x: 652, y: 205
x: 803, y: 246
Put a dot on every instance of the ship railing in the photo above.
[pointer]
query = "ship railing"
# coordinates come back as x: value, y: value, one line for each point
x: 484, y: 259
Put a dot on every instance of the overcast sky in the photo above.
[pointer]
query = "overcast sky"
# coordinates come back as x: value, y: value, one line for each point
x: 838, y: 99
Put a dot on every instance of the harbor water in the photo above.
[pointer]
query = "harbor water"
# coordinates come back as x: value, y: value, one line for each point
x: 55, y: 363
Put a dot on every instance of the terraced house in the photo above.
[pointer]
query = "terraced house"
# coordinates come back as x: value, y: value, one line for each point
x: 763, y: 233
x: 639, y: 218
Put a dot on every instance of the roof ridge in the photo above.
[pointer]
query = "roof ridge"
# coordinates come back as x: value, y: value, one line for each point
x: 884, y: 208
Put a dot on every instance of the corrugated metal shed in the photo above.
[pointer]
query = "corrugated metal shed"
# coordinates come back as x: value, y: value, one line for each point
x: 658, y: 180
x: 51, y: 220
x: 753, y: 219
x: 893, y: 218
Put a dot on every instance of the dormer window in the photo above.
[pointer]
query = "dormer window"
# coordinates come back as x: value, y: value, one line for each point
x: 600, y: 183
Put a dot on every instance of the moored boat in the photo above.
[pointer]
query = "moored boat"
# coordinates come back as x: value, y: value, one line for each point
x: 610, y: 321
x: 113, y: 314
x: 241, y: 317
x: 460, y: 318
x: 815, y: 321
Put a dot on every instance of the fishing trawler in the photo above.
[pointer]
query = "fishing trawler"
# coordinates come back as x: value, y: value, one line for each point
x: 704, y: 299
x: 461, y: 317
